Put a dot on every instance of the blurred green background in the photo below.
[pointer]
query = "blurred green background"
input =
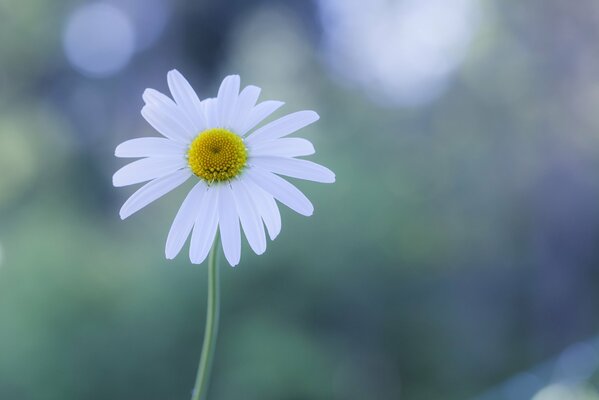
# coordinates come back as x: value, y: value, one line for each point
x: 455, y: 257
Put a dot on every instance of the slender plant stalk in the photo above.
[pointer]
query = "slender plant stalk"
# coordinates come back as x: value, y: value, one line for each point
x: 212, y: 313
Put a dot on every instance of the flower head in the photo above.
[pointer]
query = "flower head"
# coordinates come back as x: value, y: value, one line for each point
x: 236, y: 167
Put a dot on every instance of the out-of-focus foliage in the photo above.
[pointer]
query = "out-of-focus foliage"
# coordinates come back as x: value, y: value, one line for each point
x: 456, y: 253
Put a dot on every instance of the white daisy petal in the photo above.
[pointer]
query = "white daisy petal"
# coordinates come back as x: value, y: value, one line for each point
x: 245, y: 104
x: 147, y: 169
x: 205, y: 227
x: 163, y: 104
x: 209, y: 109
x: 283, y: 126
x: 281, y: 190
x: 259, y: 113
x: 184, y: 220
x: 286, y: 147
x: 228, y: 221
x: 152, y: 191
x: 186, y: 98
x: 227, y: 99
x: 267, y: 208
x: 165, y: 124
x: 294, y: 168
x: 149, y: 147
x: 249, y: 217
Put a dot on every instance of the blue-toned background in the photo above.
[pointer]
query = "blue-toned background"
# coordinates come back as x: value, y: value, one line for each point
x: 456, y: 257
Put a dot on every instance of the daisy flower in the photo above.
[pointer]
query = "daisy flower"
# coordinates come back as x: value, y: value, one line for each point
x: 236, y: 167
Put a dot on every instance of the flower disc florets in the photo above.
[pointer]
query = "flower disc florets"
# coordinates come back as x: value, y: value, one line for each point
x: 217, y: 155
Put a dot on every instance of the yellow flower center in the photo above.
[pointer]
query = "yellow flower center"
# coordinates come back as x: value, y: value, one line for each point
x: 217, y: 155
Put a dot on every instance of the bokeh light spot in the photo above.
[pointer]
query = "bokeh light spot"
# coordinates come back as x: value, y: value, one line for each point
x: 99, y: 40
x: 402, y: 53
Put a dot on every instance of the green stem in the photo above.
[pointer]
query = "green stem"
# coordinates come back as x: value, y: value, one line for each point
x: 212, y: 312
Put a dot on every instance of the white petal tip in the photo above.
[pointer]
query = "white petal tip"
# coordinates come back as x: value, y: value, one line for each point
x: 174, y: 75
x: 119, y: 181
x: 326, y: 176
x: 233, y: 262
x: 118, y: 151
x: 235, y: 77
x: 196, y: 261
x: 274, y: 235
x: 146, y: 94
x: 116, y: 181
x: 169, y: 252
